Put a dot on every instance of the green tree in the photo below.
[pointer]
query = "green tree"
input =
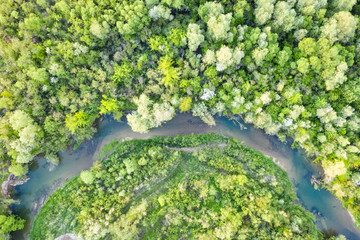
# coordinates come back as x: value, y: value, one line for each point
x: 77, y: 120
x: 284, y: 17
x: 111, y: 106
x: 340, y: 27
x: 100, y: 30
x: 185, y: 104
x: 133, y: 17
x: 18, y: 169
x: 343, y: 5
x: 263, y: 11
x: 171, y: 74
x: 195, y: 37
x: 20, y: 119
x: 124, y: 74
x: 131, y: 165
x: 9, y: 224
x: 87, y: 177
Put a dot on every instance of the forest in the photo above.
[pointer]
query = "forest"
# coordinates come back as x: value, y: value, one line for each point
x: 188, y: 187
x: 287, y: 67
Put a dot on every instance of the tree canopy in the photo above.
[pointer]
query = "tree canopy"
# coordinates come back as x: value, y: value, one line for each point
x: 191, y: 187
x: 287, y: 67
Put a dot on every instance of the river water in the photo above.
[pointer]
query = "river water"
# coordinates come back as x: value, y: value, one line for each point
x: 45, y: 179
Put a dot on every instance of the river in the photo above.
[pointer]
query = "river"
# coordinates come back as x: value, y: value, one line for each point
x: 45, y: 179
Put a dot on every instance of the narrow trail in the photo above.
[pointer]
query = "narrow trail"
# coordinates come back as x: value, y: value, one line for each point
x: 193, y: 149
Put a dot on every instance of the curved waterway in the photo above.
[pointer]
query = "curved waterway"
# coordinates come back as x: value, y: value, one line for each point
x: 45, y: 179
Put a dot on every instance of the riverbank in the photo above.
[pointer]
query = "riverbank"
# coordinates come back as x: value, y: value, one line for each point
x: 299, y: 169
x: 147, y: 188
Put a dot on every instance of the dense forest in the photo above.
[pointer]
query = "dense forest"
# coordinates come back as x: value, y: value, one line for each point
x: 287, y: 67
x: 184, y: 187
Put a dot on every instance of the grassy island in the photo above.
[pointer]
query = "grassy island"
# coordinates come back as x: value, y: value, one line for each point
x: 184, y: 187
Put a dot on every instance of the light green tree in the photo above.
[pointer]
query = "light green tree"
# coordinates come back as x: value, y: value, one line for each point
x: 210, y: 57
x: 171, y: 74
x: 99, y: 30
x: 132, y: 18
x: 149, y: 115
x: 77, y: 120
x: 310, y: 7
x: 19, y: 120
x: 9, y: 224
x: 185, y: 104
x: 200, y: 110
x: 87, y: 177
x: 227, y: 57
x: 284, y: 17
x: 340, y: 27
x: 111, y: 106
x: 18, y: 169
x: 138, y: 123
x: 160, y: 11
x: 263, y: 11
x: 130, y: 165
x: 259, y: 55
x: 333, y: 169
x: 123, y: 74
x: 343, y: 5
x: 194, y: 35
x: 219, y: 27
x: 303, y: 65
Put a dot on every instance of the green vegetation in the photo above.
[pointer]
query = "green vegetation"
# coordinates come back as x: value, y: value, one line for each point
x: 288, y: 67
x: 9, y: 224
x: 191, y: 187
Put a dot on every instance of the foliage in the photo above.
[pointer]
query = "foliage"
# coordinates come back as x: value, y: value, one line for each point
x: 78, y: 120
x: 276, y: 63
x: 148, y: 114
x: 200, y: 110
x: 18, y: 169
x: 111, y: 106
x: 9, y: 224
x: 123, y: 74
x: 185, y: 104
x: 171, y: 74
x: 194, y: 35
x: 340, y: 27
x: 209, y: 192
x: 131, y: 18
x: 87, y: 177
